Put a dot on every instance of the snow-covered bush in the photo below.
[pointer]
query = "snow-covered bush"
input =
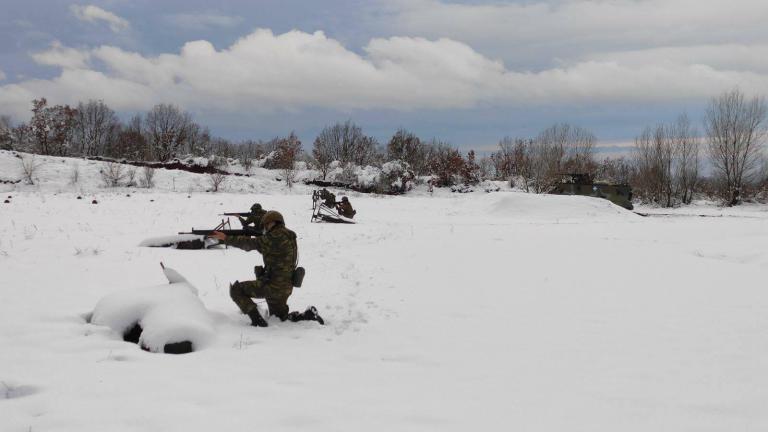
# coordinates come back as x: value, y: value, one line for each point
x: 462, y: 188
x: 396, y: 176
x: 489, y: 186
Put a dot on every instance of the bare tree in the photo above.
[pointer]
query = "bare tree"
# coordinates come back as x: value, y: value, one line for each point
x: 654, y: 153
x: 686, y: 151
x: 52, y: 127
x: 22, y: 138
x: 503, y: 159
x: 544, y: 157
x: 570, y: 148
x: 667, y: 163
x: 344, y: 142
x: 6, y: 133
x: 96, y: 127
x: 168, y: 130
x: 736, y: 129
x: 322, y: 154
x: 407, y: 147
x: 616, y: 170
x: 487, y: 168
x: 131, y: 142
x: 470, y: 172
x: 446, y: 163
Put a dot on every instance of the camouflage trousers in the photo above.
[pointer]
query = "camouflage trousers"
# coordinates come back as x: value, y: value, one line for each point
x: 275, y: 293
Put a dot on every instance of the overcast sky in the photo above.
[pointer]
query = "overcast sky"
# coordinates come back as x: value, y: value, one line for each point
x: 467, y: 72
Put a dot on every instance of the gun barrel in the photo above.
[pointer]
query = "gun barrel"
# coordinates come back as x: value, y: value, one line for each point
x: 229, y: 232
x: 235, y: 214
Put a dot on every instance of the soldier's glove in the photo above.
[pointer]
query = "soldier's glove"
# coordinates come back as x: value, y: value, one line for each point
x: 259, y: 271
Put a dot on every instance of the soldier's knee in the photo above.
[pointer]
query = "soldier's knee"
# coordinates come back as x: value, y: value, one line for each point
x: 278, y: 309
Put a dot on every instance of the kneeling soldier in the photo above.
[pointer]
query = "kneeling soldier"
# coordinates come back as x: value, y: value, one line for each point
x: 274, y: 281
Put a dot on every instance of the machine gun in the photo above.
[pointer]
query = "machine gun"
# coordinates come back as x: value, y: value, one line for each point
x: 238, y: 214
x: 226, y: 228
x: 323, y: 212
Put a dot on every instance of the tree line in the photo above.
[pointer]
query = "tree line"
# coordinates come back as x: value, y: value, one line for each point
x: 665, y: 166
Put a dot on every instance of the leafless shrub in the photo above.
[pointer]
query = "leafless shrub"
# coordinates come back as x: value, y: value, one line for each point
x: 219, y: 177
x: 147, y: 179
x: 130, y: 177
x: 217, y: 180
x: 29, y: 166
x: 112, y: 173
x: 74, y: 174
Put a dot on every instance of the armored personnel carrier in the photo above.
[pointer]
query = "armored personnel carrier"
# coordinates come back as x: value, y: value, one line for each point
x: 584, y: 184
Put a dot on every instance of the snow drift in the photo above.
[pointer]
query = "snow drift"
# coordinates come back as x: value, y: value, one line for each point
x: 165, y: 318
x: 554, y: 207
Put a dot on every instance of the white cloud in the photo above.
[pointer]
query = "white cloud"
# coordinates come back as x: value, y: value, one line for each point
x: 59, y: 55
x: 2, y: 75
x: 535, y: 33
x: 91, y: 13
x: 203, y: 21
x: 296, y: 70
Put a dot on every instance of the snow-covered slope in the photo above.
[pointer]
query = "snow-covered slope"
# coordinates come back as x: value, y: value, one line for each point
x: 452, y: 312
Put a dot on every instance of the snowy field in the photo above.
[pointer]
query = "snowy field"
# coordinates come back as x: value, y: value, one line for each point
x: 449, y: 312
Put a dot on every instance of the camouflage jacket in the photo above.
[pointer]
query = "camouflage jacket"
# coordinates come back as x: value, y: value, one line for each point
x: 255, y: 219
x: 278, y: 248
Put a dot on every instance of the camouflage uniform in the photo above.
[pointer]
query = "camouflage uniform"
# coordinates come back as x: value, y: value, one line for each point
x: 279, y: 251
x: 345, y: 209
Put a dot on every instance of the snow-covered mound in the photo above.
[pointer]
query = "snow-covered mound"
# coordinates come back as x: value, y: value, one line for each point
x: 166, y: 314
x: 553, y: 207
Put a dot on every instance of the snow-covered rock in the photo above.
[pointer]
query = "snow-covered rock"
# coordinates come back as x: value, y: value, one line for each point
x: 166, y: 314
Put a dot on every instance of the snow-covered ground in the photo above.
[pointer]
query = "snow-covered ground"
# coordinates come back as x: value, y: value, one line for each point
x: 446, y: 312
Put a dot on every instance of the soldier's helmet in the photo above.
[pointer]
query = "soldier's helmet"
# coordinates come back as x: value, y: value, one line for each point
x: 345, y: 199
x: 272, y: 216
x: 256, y: 207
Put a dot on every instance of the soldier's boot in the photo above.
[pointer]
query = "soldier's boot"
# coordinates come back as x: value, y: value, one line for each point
x: 256, y: 319
x: 310, y: 314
